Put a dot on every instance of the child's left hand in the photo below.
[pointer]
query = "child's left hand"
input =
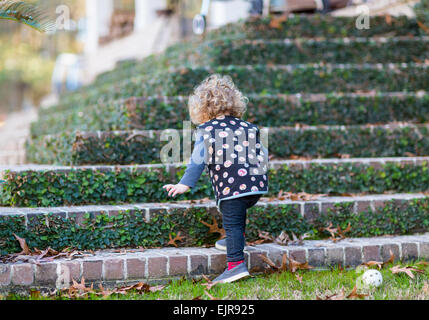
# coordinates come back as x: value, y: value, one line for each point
x: 174, y: 189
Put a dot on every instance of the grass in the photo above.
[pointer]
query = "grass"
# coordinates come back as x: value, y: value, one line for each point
x: 280, y: 286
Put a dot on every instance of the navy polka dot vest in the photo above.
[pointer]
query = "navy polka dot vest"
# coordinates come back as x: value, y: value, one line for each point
x: 236, y: 162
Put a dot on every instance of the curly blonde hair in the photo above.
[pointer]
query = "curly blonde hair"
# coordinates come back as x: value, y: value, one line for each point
x: 216, y: 95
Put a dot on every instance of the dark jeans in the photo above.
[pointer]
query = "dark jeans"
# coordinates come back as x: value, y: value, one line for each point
x: 234, y: 222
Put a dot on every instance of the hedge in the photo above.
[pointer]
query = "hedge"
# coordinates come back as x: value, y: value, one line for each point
x: 133, y: 147
x: 85, y: 186
x: 300, y: 26
x: 156, y: 113
x: 131, y: 230
x: 366, y: 50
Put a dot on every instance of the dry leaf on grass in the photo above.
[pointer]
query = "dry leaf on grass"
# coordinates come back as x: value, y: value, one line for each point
x: 210, y: 296
x: 379, y: 264
x: 295, y: 265
x: 299, y: 278
x: 336, y: 296
x: 425, y: 287
x: 209, y: 284
x: 354, y: 294
x: 292, y: 266
x: 407, y: 270
x: 77, y: 290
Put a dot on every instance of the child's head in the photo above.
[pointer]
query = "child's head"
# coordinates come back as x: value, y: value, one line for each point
x: 217, y: 95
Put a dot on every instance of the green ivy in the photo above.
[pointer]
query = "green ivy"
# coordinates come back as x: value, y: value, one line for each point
x: 234, y: 52
x: 270, y: 111
x: 85, y: 186
x: 310, y: 26
x: 124, y: 147
x: 258, y: 79
x: 129, y: 229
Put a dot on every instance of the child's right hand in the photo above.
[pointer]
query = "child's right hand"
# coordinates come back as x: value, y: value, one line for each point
x: 174, y: 189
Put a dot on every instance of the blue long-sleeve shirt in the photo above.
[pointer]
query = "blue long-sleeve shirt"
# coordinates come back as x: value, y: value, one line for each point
x: 196, y: 163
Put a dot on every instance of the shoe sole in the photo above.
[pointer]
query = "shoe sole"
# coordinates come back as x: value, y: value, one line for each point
x: 236, y: 277
x: 222, y: 248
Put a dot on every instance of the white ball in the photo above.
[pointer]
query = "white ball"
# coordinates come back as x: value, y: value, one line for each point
x: 372, y: 278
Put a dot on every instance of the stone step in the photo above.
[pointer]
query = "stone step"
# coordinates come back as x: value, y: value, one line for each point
x: 173, y: 167
x: 306, y: 208
x: 113, y: 268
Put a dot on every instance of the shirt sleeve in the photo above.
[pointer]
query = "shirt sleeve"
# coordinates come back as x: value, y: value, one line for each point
x: 196, y: 163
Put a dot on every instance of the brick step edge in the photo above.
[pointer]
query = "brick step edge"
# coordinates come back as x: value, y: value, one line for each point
x: 308, y: 209
x: 342, y: 40
x: 158, y: 265
x: 171, y: 167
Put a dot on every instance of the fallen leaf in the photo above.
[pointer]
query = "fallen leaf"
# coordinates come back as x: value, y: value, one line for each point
x: 422, y: 26
x: 23, y: 245
x: 209, y: 284
x: 298, y: 277
x: 156, y: 288
x: 103, y: 292
x: 210, y: 296
x: 276, y: 23
x: 391, y: 258
x: 268, y: 261
x: 354, y: 294
x: 214, y: 228
x: 172, y: 241
x: 283, y: 238
x: 425, y: 287
x: 407, y: 270
x: 379, y: 264
x: 335, y: 296
x: 295, y: 265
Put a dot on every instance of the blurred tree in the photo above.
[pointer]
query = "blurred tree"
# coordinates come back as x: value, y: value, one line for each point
x: 27, y: 56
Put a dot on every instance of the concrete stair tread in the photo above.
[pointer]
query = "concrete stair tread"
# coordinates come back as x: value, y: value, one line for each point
x: 272, y: 163
x: 206, y: 204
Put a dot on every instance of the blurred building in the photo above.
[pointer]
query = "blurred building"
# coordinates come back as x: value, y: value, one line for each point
x: 118, y: 30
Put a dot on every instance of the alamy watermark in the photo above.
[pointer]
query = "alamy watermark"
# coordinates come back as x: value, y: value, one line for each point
x: 363, y: 18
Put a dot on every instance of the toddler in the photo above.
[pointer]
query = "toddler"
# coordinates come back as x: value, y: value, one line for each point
x: 236, y: 162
